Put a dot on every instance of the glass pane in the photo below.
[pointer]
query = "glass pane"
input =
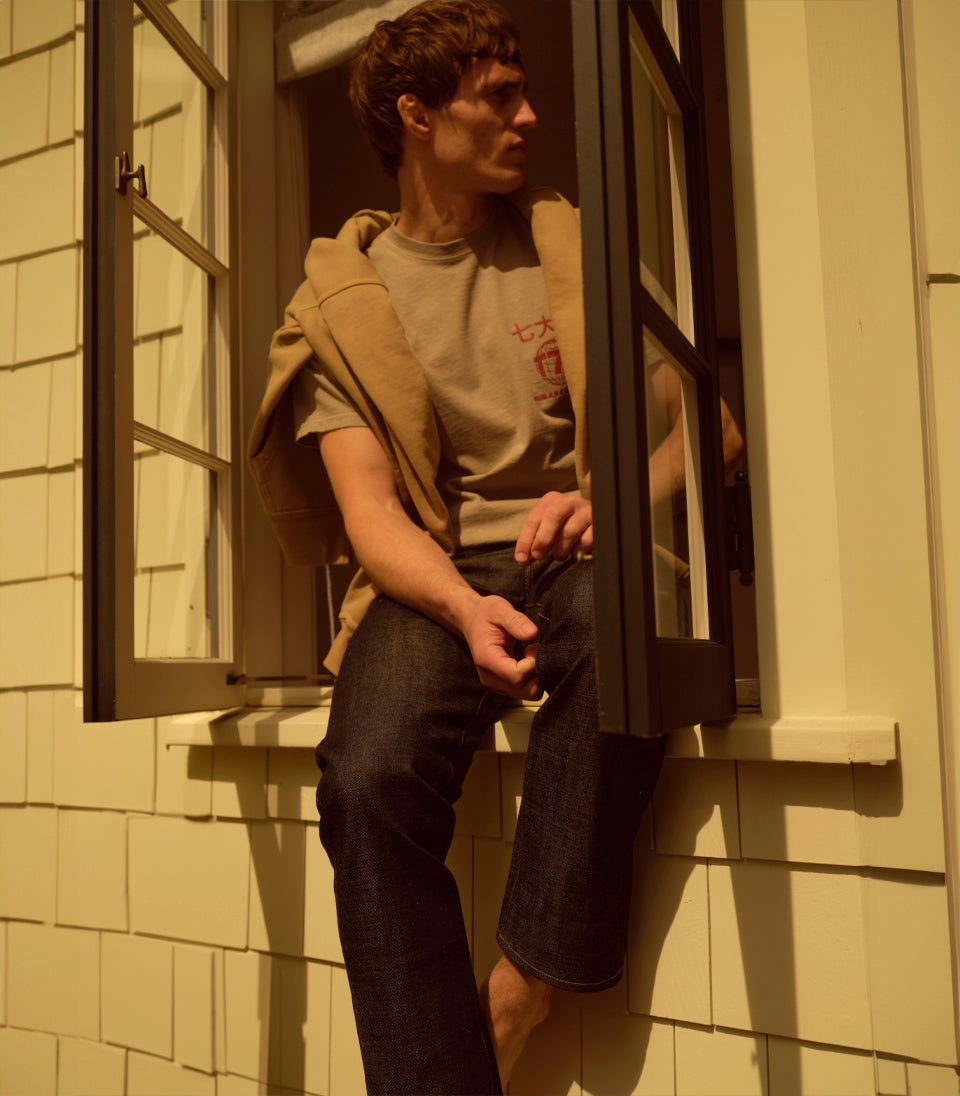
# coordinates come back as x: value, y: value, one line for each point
x: 196, y: 17
x: 172, y: 112
x: 175, y: 580
x: 675, y: 498
x: 669, y: 17
x: 661, y: 188
x: 173, y: 350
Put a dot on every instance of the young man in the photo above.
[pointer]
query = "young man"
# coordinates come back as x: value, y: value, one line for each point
x: 436, y: 362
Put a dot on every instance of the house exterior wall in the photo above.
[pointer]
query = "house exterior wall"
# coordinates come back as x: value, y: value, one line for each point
x: 166, y: 917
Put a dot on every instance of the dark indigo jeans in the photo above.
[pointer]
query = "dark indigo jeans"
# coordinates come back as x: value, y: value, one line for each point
x: 408, y: 713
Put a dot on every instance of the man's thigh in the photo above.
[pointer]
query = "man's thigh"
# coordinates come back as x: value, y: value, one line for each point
x: 407, y: 697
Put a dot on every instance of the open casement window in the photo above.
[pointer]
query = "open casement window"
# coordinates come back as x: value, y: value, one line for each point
x: 160, y: 406
x: 664, y: 649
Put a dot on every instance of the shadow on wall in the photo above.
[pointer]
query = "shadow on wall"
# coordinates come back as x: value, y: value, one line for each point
x: 274, y: 970
x: 737, y: 927
x: 738, y: 931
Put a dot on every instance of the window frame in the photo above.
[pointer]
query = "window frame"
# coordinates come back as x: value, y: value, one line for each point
x: 644, y: 680
x: 647, y: 684
x: 117, y: 685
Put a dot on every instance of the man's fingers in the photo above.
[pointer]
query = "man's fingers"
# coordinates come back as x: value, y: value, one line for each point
x: 576, y: 533
x: 501, y: 614
x: 521, y: 627
x: 541, y: 526
x: 526, y: 666
x: 529, y: 687
x: 556, y: 525
x: 532, y: 533
x: 496, y: 633
x: 518, y: 680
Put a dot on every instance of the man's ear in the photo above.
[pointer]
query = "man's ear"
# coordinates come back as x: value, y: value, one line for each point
x: 413, y: 115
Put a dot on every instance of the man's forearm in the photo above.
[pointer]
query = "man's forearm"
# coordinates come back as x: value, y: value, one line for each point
x: 405, y: 563
x: 667, y: 471
x: 667, y: 465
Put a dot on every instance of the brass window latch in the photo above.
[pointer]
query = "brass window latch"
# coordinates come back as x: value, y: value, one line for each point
x: 124, y: 173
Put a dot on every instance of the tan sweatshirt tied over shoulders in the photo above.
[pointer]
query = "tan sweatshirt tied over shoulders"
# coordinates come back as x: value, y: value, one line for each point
x: 341, y: 315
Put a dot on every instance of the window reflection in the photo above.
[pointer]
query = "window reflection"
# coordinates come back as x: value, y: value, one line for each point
x: 173, y: 352
x: 661, y: 187
x: 175, y: 562
x: 675, y: 506
x: 173, y: 131
x: 196, y: 18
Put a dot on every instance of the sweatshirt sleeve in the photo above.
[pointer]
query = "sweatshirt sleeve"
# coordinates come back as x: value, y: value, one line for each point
x: 320, y: 405
x: 291, y: 479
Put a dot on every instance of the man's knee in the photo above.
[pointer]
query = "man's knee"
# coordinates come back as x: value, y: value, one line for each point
x: 380, y: 792
x: 353, y: 781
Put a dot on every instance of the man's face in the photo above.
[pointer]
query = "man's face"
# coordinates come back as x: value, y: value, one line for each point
x: 479, y: 143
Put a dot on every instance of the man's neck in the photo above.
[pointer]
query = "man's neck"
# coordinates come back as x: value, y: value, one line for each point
x: 435, y: 215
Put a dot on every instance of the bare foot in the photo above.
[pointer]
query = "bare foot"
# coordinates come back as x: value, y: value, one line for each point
x: 514, y: 1003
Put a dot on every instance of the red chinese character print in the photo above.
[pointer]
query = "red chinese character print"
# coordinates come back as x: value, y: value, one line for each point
x: 519, y: 331
x: 546, y: 358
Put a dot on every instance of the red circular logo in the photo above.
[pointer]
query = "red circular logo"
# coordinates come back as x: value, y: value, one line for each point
x: 549, y: 362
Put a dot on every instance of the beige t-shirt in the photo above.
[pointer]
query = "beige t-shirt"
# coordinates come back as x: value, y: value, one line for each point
x: 476, y: 315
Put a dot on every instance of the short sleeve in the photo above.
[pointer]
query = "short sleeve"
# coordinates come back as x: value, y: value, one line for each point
x: 319, y: 405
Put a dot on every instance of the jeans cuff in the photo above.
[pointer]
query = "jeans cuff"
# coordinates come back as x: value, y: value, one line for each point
x: 572, y: 985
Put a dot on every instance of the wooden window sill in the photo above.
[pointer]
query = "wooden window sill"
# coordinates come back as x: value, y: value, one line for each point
x: 297, y: 719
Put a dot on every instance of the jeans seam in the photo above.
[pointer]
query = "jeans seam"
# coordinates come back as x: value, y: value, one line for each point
x: 470, y: 722
x: 517, y: 861
x: 493, y: 1069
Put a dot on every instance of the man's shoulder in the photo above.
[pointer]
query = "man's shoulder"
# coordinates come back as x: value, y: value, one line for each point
x: 538, y: 197
x: 333, y: 261
x: 360, y: 230
x: 554, y: 223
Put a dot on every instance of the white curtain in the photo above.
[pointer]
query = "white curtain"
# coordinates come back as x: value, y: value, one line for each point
x: 293, y: 190
x: 313, y: 42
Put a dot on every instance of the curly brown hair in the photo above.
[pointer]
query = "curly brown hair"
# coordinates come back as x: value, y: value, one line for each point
x: 423, y: 52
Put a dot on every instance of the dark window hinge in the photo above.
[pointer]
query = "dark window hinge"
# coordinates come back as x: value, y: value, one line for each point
x: 740, y: 528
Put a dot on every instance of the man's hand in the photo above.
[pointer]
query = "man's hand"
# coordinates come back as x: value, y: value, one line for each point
x: 493, y: 630
x: 558, y: 525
